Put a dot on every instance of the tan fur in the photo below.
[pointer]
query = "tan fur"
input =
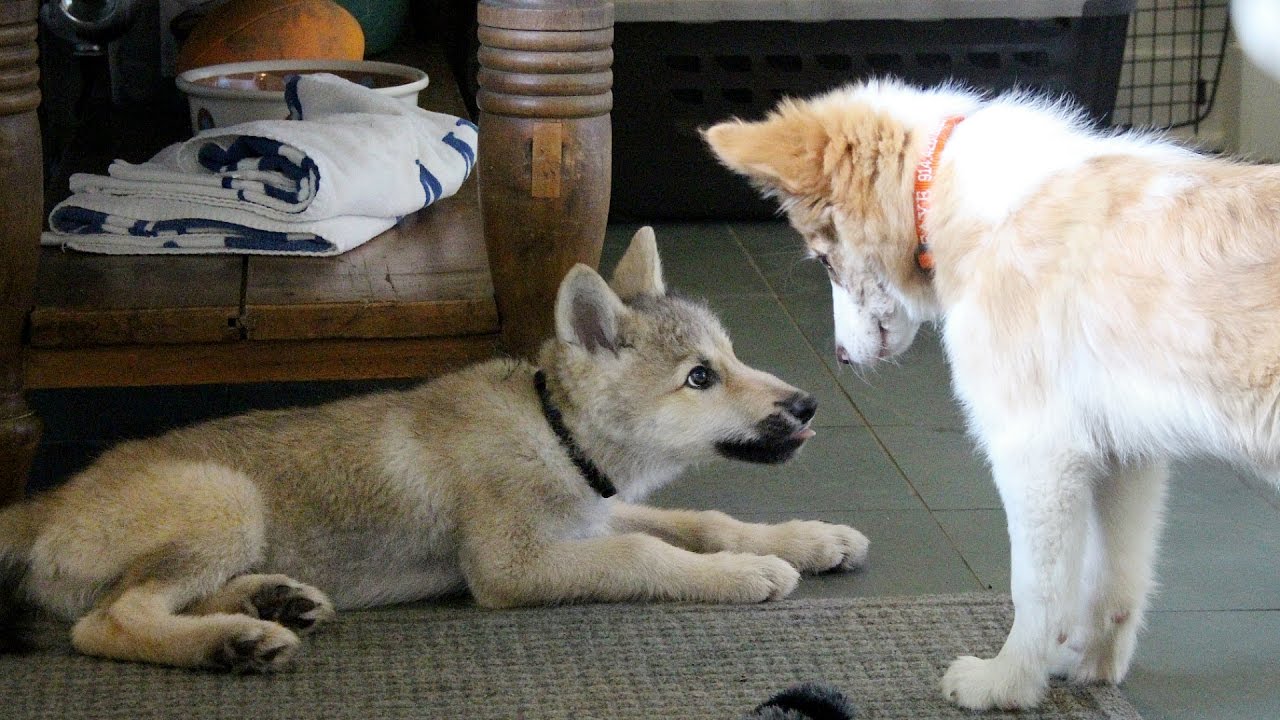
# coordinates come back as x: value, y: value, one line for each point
x: 216, y: 545
x: 838, y: 174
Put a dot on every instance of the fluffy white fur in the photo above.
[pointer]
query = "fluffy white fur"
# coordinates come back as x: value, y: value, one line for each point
x: 1107, y: 302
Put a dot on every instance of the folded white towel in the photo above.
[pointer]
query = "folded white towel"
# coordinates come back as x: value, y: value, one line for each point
x: 348, y: 165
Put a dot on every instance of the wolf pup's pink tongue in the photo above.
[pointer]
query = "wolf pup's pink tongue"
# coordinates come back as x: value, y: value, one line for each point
x: 803, y: 433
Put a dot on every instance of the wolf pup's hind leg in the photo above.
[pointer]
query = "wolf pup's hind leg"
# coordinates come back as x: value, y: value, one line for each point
x: 140, y: 620
x: 135, y: 541
x: 279, y: 598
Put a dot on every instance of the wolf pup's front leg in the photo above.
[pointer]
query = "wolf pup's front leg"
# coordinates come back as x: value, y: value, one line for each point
x: 808, y: 545
x: 508, y: 571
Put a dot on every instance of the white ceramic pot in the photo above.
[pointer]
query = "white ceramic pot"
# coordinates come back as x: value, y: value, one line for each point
x: 222, y: 95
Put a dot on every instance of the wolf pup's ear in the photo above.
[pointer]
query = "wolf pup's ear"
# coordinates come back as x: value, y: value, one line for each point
x: 587, y: 311
x: 783, y: 152
x: 639, y: 272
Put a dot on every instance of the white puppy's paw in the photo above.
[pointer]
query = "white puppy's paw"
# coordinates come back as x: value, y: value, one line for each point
x: 753, y: 578
x: 979, y: 684
x: 813, y: 546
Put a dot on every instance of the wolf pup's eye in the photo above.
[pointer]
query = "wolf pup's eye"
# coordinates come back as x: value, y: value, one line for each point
x: 700, y: 378
x: 826, y: 263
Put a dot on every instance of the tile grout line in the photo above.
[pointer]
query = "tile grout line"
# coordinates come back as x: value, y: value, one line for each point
x: 866, y: 423
x: 1259, y: 487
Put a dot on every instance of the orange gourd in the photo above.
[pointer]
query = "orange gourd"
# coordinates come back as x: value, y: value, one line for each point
x: 273, y: 30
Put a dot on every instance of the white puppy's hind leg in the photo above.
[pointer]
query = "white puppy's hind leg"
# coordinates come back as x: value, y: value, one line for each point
x: 1046, y: 494
x: 1130, y: 509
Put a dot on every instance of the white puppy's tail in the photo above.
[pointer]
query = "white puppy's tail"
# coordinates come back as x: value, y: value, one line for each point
x: 17, y: 535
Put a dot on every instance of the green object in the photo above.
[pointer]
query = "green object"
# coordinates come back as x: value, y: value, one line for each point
x: 381, y: 21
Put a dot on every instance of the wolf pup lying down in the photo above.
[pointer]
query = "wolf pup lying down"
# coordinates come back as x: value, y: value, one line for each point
x: 214, y: 546
x: 1108, y: 302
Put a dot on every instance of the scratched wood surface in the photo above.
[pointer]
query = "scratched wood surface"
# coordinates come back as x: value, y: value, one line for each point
x: 253, y: 361
x: 84, y: 299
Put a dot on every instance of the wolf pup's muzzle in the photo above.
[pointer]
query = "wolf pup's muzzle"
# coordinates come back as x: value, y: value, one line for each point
x: 778, y: 436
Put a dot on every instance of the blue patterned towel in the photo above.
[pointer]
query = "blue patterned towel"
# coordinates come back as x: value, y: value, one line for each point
x: 348, y: 164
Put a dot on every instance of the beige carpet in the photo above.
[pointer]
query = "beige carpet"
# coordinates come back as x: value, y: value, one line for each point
x: 614, y: 662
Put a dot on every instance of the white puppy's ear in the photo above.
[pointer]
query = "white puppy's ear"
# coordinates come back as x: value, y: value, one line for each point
x: 639, y: 272
x: 783, y: 152
x: 587, y: 311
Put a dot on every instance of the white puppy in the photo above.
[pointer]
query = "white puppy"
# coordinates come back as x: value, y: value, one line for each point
x: 1107, y: 301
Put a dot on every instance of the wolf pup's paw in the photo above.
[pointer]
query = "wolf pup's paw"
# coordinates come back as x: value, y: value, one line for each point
x: 254, y: 647
x: 296, y: 606
x: 753, y: 578
x: 813, y: 546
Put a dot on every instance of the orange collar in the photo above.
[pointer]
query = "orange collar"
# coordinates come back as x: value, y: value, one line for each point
x: 925, y: 170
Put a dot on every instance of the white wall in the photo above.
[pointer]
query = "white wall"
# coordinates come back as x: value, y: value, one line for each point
x: 1256, y: 110
x: 1245, y: 116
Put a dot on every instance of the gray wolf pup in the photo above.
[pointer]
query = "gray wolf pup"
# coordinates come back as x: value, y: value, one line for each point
x: 217, y: 545
x: 1108, y: 301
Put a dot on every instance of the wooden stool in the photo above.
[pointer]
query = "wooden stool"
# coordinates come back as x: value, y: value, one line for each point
x: 438, y: 291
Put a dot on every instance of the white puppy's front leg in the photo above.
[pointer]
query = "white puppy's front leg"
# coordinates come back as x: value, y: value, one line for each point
x: 1047, y: 497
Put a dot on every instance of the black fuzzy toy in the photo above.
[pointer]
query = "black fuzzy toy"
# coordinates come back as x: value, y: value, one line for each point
x: 808, y: 701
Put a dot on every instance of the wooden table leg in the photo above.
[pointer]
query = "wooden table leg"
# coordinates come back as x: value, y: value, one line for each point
x: 21, y: 209
x: 545, y: 92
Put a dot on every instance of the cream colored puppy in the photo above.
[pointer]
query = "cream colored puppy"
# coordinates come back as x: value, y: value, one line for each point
x: 216, y: 545
x: 1107, y: 301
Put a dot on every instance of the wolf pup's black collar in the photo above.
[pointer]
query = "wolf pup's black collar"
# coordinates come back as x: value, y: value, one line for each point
x: 594, y: 477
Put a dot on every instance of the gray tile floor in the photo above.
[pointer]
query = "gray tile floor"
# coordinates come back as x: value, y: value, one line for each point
x: 890, y: 458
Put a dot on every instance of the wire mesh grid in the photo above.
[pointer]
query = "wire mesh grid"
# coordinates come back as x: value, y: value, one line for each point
x: 1172, y: 63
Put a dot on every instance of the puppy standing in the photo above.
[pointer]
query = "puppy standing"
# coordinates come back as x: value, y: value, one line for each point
x: 1107, y: 301
x: 209, y: 546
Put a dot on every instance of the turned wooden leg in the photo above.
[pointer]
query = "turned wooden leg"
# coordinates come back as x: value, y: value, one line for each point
x: 545, y: 92
x: 21, y: 207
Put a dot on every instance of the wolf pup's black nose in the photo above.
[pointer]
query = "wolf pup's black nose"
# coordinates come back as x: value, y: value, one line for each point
x: 801, y: 405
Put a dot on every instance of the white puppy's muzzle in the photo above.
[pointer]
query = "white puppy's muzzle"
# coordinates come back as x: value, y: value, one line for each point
x: 871, y: 327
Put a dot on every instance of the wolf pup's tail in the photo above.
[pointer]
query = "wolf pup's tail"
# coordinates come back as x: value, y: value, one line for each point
x: 16, y: 538
x: 15, y: 635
